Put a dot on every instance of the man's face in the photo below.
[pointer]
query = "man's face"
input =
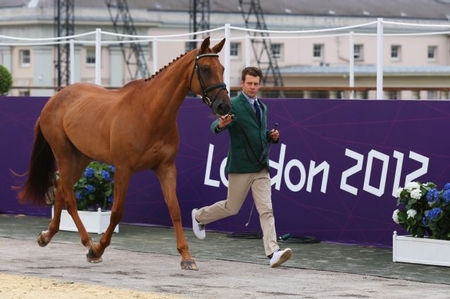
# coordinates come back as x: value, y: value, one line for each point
x: 250, y: 86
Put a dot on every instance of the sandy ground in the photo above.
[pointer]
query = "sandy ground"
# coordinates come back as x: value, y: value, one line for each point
x: 60, y: 270
x: 22, y: 287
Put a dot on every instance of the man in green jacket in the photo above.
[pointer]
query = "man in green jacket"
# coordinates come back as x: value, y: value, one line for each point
x: 247, y: 165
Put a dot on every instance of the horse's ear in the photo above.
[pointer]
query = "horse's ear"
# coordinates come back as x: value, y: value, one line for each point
x: 219, y: 46
x: 205, y: 45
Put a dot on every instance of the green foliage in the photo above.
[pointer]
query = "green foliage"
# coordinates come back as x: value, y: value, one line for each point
x: 425, y: 210
x: 5, y: 80
x: 95, y: 189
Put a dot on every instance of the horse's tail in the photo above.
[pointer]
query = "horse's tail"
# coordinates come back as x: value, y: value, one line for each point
x: 41, y: 179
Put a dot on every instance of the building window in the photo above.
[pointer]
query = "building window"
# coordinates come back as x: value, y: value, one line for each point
x: 90, y: 56
x: 393, y: 95
x: 396, y: 52
x: 235, y: 50
x: 431, y: 95
x: 276, y: 50
x: 318, y: 51
x: 25, y: 57
x: 24, y: 93
x: 432, y: 53
x: 358, y: 52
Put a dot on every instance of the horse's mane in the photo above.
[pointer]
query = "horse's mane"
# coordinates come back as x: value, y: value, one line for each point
x: 159, y: 71
x: 166, y: 66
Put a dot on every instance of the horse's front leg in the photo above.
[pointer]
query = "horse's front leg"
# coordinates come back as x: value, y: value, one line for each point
x: 167, y: 175
x: 121, y: 182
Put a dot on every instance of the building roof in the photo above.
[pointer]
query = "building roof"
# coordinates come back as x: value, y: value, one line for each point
x: 405, y: 9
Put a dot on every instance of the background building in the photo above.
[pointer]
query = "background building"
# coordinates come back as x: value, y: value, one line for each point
x: 312, y: 60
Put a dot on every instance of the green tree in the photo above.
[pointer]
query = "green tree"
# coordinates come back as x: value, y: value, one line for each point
x: 5, y: 80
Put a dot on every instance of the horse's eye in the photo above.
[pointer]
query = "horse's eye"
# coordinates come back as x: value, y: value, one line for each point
x: 205, y: 68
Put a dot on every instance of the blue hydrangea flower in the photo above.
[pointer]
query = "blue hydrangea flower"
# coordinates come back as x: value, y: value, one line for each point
x: 90, y: 188
x: 78, y: 196
x: 433, y: 196
x: 110, y: 199
x: 433, y: 213
x: 106, y: 175
x: 447, y: 187
x: 111, y: 168
x: 446, y: 195
x: 89, y: 172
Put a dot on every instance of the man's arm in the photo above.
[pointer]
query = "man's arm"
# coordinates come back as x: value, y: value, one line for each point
x: 221, y: 123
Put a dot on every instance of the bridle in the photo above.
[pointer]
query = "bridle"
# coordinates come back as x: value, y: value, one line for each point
x: 205, y: 89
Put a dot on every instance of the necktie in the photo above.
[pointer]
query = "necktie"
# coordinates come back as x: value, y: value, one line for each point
x: 257, y: 111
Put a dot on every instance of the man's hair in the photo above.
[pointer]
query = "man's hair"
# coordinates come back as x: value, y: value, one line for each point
x: 252, y: 71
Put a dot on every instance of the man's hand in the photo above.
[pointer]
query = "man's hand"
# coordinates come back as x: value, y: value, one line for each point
x: 224, y: 121
x: 274, y: 134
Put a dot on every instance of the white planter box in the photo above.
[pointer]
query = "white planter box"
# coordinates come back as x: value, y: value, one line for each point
x: 425, y: 251
x: 94, y: 221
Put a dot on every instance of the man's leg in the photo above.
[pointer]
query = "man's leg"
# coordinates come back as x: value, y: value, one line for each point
x: 238, y: 187
x: 262, y: 195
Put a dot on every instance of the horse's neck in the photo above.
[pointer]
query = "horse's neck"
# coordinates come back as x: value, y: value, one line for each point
x: 172, y: 83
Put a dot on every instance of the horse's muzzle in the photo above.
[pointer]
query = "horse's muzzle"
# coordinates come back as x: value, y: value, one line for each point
x: 221, y: 106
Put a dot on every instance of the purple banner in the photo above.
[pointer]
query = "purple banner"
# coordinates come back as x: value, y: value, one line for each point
x: 334, y: 172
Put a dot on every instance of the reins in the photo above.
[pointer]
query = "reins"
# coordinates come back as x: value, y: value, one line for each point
x: 205, y: 89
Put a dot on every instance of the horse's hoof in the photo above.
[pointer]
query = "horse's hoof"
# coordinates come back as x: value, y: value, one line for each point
x: 189, y: 265
x: 41, y: 241
x: 91, y: 257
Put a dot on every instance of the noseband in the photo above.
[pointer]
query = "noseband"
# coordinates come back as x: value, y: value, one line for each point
x: 205, y: 89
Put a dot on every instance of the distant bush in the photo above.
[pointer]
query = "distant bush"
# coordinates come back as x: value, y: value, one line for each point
x: 5, y: 80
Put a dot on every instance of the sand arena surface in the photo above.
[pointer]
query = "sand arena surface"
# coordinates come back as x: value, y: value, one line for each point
x: 26, y: 287
x: 60, y: 270
x: 142, y: 262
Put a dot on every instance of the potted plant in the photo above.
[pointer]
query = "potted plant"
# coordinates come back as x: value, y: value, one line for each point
x: 95, y: 189
x: 94, y: 193
x: 424, y: 212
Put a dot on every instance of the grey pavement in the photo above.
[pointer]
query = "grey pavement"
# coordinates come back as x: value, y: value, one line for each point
x: 145, y: 258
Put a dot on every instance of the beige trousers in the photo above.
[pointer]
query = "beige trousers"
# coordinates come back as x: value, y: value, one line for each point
x: 238, y: 186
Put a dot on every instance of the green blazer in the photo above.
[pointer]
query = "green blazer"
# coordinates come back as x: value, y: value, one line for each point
x: 248, y: 148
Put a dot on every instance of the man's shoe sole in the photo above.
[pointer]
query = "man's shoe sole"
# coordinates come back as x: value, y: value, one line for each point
x: 283, y: 258
x: 198, y: 234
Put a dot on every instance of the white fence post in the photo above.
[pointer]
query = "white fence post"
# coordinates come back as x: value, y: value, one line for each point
x: 72, y: 61
x: 155, y: 55
x: 351, y: 76
x: 248, y: 45
x: 380, y: 58
x: 227, y: 57
x: 98, y: 56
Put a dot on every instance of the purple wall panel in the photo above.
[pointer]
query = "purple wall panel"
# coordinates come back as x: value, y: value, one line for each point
x: 334, y: 171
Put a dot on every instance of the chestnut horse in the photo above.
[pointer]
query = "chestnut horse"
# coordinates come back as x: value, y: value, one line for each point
x: 133, y: 128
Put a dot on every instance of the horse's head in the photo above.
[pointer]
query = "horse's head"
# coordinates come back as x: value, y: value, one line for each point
x: 207, y: 78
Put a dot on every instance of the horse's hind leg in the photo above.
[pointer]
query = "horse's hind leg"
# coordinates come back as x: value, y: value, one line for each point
x: 167, y: 176
x: 46, y: 236
x: 69, y: 173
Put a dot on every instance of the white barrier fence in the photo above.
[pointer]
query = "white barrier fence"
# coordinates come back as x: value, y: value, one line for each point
x: 229, y: 32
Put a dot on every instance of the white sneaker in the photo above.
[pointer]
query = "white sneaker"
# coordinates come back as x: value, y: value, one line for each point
x: 280, y: 257
x: 197, y: 227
